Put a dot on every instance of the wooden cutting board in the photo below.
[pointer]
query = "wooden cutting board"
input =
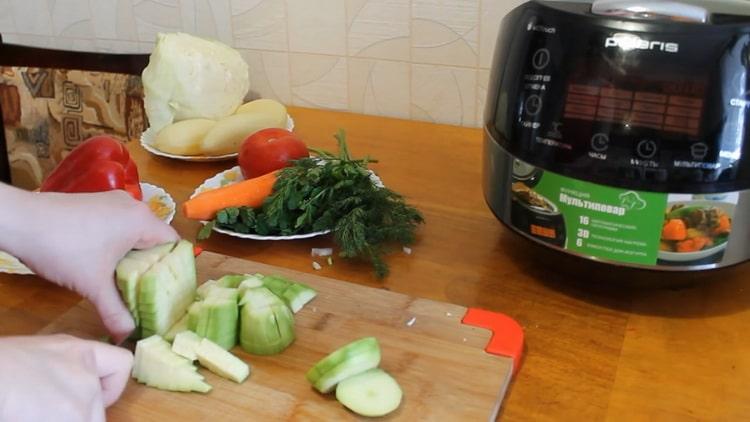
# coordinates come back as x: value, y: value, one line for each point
x: 439, y: 361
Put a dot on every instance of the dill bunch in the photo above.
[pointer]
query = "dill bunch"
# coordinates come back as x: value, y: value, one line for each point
x: 330, y: 192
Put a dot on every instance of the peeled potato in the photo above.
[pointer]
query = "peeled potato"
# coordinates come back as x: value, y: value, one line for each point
x: 264, y: 105
x: 229, y: 132
x: 184, y: 137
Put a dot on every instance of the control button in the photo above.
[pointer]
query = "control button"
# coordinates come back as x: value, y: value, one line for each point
x: 600, y: 142
x: 533, y: 105
x: 646, y: 149
x: 540, y: 60
x: 555, y: 131
x: 699, y: 151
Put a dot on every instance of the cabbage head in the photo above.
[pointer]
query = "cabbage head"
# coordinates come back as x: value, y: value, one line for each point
x: 188, y: 77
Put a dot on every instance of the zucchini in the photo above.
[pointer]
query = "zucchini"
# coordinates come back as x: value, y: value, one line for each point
x: 354, y: 358
x: 185, y: 344
x: 295, y: 295
x: 178, y: 327
x: 372, y: 393
x: 130, y: 269
x: 266, y: 323
x: 221, y: 362
x: 166, y: 290
x: 216, y: 318
x: 156, y: 365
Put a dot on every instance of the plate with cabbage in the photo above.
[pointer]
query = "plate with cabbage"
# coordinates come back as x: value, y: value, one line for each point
x: 194, y: 89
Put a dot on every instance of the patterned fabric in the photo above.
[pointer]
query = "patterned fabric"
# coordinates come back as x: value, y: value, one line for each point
x: 48, y: 112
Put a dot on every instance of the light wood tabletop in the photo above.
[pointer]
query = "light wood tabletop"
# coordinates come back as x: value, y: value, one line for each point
x: 602, y: 343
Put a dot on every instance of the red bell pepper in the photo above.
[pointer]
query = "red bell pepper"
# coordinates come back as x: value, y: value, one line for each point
x: 98, y: 164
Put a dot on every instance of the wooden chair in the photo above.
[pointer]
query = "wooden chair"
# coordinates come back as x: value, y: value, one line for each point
x: 35, y: 64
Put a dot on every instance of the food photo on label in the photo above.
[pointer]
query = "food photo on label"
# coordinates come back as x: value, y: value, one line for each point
x: 696, y: 230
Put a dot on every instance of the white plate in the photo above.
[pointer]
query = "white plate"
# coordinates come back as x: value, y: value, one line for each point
x: 154, y: 196
x: 160, y: 202
x: 147, y: 140
x: 234, y: 175
x: 705, y: 253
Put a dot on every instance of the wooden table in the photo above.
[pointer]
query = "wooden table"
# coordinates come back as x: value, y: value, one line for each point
x: 602, y: 343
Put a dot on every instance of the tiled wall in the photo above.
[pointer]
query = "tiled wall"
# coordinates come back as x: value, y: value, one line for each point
x: 413, y: 59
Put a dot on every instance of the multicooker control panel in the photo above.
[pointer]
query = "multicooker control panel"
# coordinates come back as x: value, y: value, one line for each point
x: 630, y: 107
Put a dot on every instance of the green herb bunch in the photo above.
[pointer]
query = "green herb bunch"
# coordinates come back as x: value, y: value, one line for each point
x: 330, y: 192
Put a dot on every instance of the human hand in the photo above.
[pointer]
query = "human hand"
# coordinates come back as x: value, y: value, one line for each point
x: 76, y: 241
x: 60, y: 378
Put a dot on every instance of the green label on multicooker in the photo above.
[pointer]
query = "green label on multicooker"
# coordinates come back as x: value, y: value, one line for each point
x: 605, y: 222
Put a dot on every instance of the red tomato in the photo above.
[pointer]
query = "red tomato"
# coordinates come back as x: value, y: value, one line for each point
x: 268, y: 150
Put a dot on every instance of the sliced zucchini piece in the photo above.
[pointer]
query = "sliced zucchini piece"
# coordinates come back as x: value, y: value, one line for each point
x: 294, y: 294
x: 216, y: 319
x: 156, y: 365
x: 185, y: 344
x: 166, y: 290
x: 372, y: 393
x: 266, y: 323
x: 231, y: 280
x: 298, y: 295
x: 221, y: 362
x: 202, y: 291
x: 130, y: 269
x: 354, y: 358
x: 250, y: 282
x: 178, y: 327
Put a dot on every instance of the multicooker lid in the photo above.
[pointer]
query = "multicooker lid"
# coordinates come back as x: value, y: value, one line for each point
x: 683, y: 10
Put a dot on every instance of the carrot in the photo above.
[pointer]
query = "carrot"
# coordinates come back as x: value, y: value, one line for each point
x: 693, y: 245
x: 674, y: 230
x: 724, y: 225
x: 249, y: 193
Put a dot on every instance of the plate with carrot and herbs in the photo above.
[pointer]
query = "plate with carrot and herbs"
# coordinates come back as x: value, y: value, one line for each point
x: 303, y: 195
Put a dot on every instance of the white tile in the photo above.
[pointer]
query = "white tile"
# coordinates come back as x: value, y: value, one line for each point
x: 269, y: 75
x: 319, y: 81
x: 28, y: 40
x: 445, y: 32
x: 492, y: 14
x: 379, y: 29
x: 113, y: 19
x: 317, y: 26
x: 209, y: 19
x: 379, y: 87
x: 443, y: 94
x: 71, y: 18
x: 146, y: 47
x: 74, y: 44
x: 152, y: 17
x: 259, y: 24
x: 31, y: 17
x: 483, y: 80
x: 118, y: 46
x: 7, y: 25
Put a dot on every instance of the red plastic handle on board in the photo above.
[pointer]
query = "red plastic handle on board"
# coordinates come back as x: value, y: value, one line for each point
x: 507, y: 334
x: 197, y: 250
